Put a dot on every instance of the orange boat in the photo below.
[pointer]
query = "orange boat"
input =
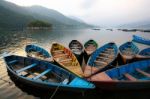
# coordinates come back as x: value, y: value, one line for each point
x: 65, y: 58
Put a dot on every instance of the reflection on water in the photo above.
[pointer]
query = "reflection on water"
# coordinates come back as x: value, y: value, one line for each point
x: 45, y: 38
x: 14, y: 43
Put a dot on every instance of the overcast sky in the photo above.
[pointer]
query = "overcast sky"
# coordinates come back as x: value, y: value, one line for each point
x: 98, y: 12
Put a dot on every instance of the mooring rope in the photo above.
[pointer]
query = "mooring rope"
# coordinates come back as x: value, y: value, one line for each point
x: 53, y: 94
x: 55, y: 91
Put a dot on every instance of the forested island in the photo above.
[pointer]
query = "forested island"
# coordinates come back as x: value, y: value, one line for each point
x: 37, y: 24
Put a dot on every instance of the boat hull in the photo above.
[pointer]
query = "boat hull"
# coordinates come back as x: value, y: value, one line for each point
x: 77, y: 48
x: 79, y: 58
x: 43, y: 87
x: 141, y: 40
x: 128, y: 52
x: 90, y: 46
x: 37, y: 52
x: 89, y: 50
x: 116, y: 86
x: 134, y: 76
x: 145, y: 52
x: 102, y: 59
x: 66, y: 59
x: 43, y: 75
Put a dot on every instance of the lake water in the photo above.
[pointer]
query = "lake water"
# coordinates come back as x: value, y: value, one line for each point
x: 14, y: 42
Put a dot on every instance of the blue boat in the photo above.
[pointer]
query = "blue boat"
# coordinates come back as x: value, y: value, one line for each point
x: 131, y: 76
x: 141, y: 40
x: 101, y: 59
x: 143, y: 55
x: 44, y: 75
x: 37, y: 52
x: 145, y: 52
x: 128, y: 51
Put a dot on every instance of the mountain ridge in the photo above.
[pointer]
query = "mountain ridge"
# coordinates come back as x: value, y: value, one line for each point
x: 140, y: 24
x: 23, y: 15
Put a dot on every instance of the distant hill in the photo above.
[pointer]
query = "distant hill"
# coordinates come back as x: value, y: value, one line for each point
x: 14, y: 16
x: 51, y: 15
x: 12, y: 19
x: 145, y: 24
x: 76, y: 18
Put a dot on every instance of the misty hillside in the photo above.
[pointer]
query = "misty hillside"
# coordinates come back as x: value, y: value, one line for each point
x: 10, y: 18
x: 52, y: 14
x: 14, y: 16
x: 76, y: 18
x: 145, y: 24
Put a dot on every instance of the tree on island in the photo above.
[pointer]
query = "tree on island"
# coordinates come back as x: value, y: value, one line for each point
x: 39, y: 24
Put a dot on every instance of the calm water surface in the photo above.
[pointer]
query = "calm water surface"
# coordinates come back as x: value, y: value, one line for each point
x: 45, y: 38
x: 14, y: 42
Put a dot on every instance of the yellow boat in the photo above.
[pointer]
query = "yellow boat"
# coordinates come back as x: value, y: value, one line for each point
x: 66, y: 59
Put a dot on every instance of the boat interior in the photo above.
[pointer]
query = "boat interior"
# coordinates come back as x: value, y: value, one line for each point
x: 105, y: 57
x: 129, y: 49
x: 76, y: 47
x: 41, y: 71
x: 36, y: 54
x: 66, y: 59
x: 90, y: 47
x: 64, y: 56
x: 130, y: 73
x: 128, y: 52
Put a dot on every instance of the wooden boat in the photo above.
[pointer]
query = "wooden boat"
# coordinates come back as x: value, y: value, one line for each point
x: 37, y: 52
x: 141, y: 40
x: 44, y: 75
x: 77, y: 48
x: 101, y: 59
x: 96, y: 29
x: 89, y: 47
x: 65, y: 58
x: 128, y: 51
x: 144, y: 54
x: 127, y: 77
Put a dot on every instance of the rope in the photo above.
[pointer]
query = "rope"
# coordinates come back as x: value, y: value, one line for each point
x: 55, y: 91
x: 57, y: 86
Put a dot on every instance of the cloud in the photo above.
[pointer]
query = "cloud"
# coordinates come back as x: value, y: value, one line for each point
x: 87, y: 4
x: 116, y: 12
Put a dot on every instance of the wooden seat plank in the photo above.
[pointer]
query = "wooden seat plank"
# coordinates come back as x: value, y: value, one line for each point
x: 143, y: 72
x: 60, y: 55
x: 13, y: 61
x: 57, y: 51
x: 130, y: 77
x: 65, y: 60
x: 42, y: 74
x: 25, y: 68
x: 102, y: 62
